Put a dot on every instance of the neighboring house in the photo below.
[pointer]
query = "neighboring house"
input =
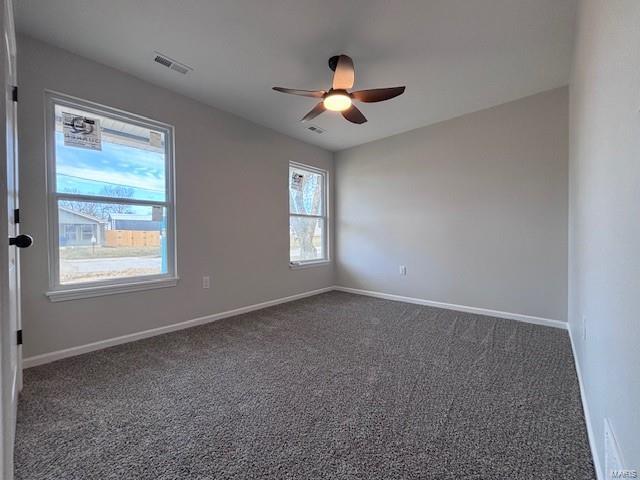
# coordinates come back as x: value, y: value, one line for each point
x: 78, y: 229
x: 132, y: 221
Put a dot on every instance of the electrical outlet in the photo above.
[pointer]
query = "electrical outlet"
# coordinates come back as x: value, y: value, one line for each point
x: 584, y: 327
x: 403, y: 270
x: 206, y: 283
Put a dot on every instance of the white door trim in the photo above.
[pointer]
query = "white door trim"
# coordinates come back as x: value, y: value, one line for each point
x: 10, y: 367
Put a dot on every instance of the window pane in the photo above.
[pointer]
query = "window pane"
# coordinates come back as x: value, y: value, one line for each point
x: 98, y: 155
x: 306, y: 239
x: 107, y: 241
x: 305, y: 192
x: 89, y: 231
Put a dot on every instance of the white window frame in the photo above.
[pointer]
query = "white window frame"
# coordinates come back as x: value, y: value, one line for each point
x: 60, y: 292
x: 325, y: 217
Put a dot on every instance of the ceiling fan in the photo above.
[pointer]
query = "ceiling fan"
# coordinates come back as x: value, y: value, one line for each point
x: 338, y: 99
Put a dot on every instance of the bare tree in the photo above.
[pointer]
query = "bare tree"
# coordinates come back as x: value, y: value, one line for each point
x: 118, y: 191
x: 304, y: 228
x: 100, y: 210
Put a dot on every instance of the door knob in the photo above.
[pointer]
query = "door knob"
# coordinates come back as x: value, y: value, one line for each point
x: 21, y: 241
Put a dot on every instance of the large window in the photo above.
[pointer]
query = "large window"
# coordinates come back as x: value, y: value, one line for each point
x: 111, y: 205
x: 307, y: 215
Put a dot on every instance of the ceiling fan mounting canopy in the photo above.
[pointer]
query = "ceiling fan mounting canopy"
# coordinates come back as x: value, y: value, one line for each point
x: 338, y: 98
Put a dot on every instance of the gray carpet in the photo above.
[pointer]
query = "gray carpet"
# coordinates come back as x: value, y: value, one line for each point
x: 336, y: 386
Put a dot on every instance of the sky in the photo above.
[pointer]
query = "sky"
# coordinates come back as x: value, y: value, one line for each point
x: 84, y: 171
x: 80, y: 170
x: 308, y: 189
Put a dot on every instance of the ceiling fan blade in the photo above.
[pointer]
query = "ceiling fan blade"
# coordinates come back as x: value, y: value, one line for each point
x: 303, y: 93
x: 377, y: 94
x: 344, y: 77
x: 317, y: 110
x: 354, y: 115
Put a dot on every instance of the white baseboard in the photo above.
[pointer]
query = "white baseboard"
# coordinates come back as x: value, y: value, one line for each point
x: 70, y: 352
x: 132, y: 337
x: 511, y: 316
x: 587, y: 416
x: 547, y: 322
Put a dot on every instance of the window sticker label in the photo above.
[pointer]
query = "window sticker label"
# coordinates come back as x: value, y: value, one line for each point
x: 82, y: 132
x: 155, y: 139
x: 296, y: 181
x: 156, y: 214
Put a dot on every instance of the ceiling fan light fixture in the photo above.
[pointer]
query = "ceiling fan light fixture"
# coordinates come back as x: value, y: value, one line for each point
x: 338, y: 98
x: 337, y: 102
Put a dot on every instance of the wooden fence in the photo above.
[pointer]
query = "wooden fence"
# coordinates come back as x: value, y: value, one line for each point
x: 132, y: 238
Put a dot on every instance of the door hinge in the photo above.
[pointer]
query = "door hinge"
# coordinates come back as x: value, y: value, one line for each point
x: 19, y: 337
x: 16, y: 215
x: 14, y: 93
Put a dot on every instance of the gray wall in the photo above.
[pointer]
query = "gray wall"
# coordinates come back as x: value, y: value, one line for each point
x: 232, y: 207
x: 475, y: 207
x: 604, y: 260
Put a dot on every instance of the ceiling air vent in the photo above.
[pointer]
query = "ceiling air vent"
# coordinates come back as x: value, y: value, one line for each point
x: 315, y: 129
x: 180, y: 68
x: 172, y: 64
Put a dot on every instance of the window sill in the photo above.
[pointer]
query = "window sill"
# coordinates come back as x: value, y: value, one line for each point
x: 302, y: 265
x: 98, y: 291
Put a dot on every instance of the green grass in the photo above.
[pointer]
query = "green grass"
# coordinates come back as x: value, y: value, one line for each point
x: 72, y: 253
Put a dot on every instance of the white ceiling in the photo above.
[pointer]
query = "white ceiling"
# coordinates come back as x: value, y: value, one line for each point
x: 454, y: 56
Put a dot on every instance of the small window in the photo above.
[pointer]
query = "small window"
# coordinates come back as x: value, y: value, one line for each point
x: 111, y: 199
x: 87, y: 232
x: 69, y: 234
x: 307, y: 215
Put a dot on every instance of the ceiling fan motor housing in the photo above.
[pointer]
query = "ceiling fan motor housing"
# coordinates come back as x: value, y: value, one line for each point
x: 336, y: 91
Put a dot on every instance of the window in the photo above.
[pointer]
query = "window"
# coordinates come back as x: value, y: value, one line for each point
x: 307, y: 215
x: 111, y: 205
x: 69, y: 234
x: 87, y: 232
